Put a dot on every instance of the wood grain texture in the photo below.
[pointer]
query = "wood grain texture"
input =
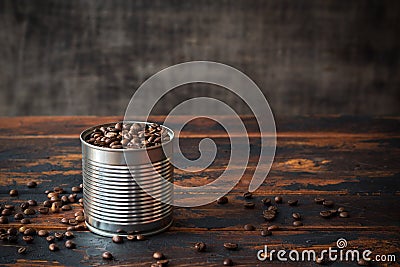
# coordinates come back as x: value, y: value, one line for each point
x: 352, y: 161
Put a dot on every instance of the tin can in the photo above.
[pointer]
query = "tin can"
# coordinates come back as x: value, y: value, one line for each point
x: 121, y: 198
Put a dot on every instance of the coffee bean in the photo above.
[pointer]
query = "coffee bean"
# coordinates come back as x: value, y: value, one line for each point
x: 296, y: 215
x: 278, y: 199
x: 72, y: 222
x: 9, y: 207
x: 80, y: 227
x: 117, y: 239
x: 249, y: 227
x: 248, y: 195
x: 297, y: 223
x: 140, y: 238
x: 70, y: 244
x: 64, y: 220
x: 25, y: 221
x: 266, y: 201
x: 249, y: 205
x: 47, y: 203
x: 222, y: 200
x: 80, y: 218
x: 29, y: 211
x: 22, y: 229
x: 273, y: 228
x: 22, y: 250
x: 58, y: 190
x: 44, y: 210
x: 325, y: 214
x: 72, y: 198
x: 265, y: 232
x: 31, y: 184
x: 30, y: 231
x: 273, y: 208
x: 162, y: 263
x: 80, y: 201
x: 333, y: 212
x: 66, y: 207
x: 76, y: 189
x: 269, y: 215
x: 50, y: 239
x: 53, y: 247
x: 32, y: 202
x: 59, y: 236
x: 228, y: 262
x: 231, y: 246
x: 319, y: 200
x: 344, y: 214
x: 12, y: 231
x: 292, y: 202
x: 43, y: 233
x: 47, y: 191
x: 328, y: 203
x: 52, y: 194
x: 13, y: 192
x: 6, y: 212
x: 200, y: 246
x: 64, y: 200
x: 24, y: 205
x: 69, y: 235
x: 28, y: 239
x: 107, y: 255
x: 55, y: 207
x: 3, y: 220
x: 341, y: 209
x: 158, y: 255
x: 78, y: 213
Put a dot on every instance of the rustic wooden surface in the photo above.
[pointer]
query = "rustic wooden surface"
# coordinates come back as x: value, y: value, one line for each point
x: 350, y: 160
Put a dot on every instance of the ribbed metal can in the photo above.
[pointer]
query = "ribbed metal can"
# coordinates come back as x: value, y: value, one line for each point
x: 121, y: 198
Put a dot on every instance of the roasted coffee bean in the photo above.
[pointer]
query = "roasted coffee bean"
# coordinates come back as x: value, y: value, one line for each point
x: 200, y: 246
x: 47, y: 191
x: 59, y: 236
x: 265, y: 232
x: 140, y: 238
x: 228, y: 262
x: 22, y: 250
x: 249, y: 205
x: 297, y: 223
x: 231, y: 246
x: 131, y: 237
x: 25, y: 221
x: 3, y: 220
x: 107, y: 255
x: 44, y: 210
x: 72, y: 222
x: 76, y: 189
x: 78, y: 213
x: 30, y: 231
x: 13, y: 192
x: 52, y: 194
x: 72, y: 198
x: 328, y: 203
x: 9, y: 206
x: 29, y: 211
x: 269, y: 215
x: 117, y: 239
x: 6, y: 212
x: 69, y: 235
x: 319, y: 200
x: 28, y: 239
x: 292, y: 202
x: 22, y: 229
x: 158, y: 255
x: 296, y: 215
x: 222, y: 200
x: 248, y: 195
x: 58, y: 190
x: 344, y: 214
x: 71, y: 228
x: 70, y: 244
x: 43, y: 233
x: 273, y: 208
x: 64, y: 200
x: 80, y: 201
x: 278, y: 199
x: 162, y: 263
x: 249, y: 227
x: 32, y: 202
x: 55, y: 207
x: 55, y: 199
x: 266, y: 201
x: 64, y: 220
x: 66, y: 207
x: 50, y: 239
x: 53, y: 247
x: 24, y: 205
x: 47, y: 203
x: 80, y: 227
x: 325, y: 213
x: 12, y: 231
x: 31, y: 184
x: 273, y: 228
x: 80, y: 218
x: 341, y: 209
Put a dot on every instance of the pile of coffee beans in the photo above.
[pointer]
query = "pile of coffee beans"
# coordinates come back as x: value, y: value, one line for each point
x: 126, y: 135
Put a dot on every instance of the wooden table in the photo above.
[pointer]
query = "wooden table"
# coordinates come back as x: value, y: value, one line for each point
x: 350, y: 160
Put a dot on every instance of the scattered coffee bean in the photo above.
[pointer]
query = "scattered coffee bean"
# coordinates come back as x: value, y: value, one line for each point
x: 69, y: 235
x: 22, y: 250
x: 28, y: 239
x: 25, y: 221
x: 53, y: 247
x: 265, y: 232
x: 269, y: 215
x: 231, y: 246
x: 31, y: 184
x: 52, y: 194
x: 66, y: 207
x: 30, y: 231
x: 58, y: 190
x: 70, y: 244
x: 107, y: 255
x: 47, y: 203
x: 64, y: 200
x: 297, y: 223
x: 325, y: 213
x: 3, y: 220
x: 266, y: 201
x: 59, y: 236
x: 341, y: 209
x: 249, y: 227
x: 76, y: 189
x: 50, y: 239
x: 64, y: 220
x: 24, y: 205
x: 44, y: 210
x: 344, y: 214
x: 29, y: 211
x: 43, y: 233
x: 80, y: 201
x: 131, y: 237
x: 32, y: 202
x: 200, y: 246
x: 296, y: 215
x: 12, y: 231
x: 117, y: 239
x: 328, y: 203
x: 22, y: 229
x: 55, y: 207
x: 13, y: 192
x: 158, y: 255
x: 80, y: 218
x: 292, y: 202
x: 273, y: 228
x: 72, y: 222
x: 78, y: 213
x: 249, y: 205
x: 228, y: 262
x: 80, y: 227
x: 278, y: 199
x: 319, y: 200
x: 6, y: 212
x: 140, y: 238
x: 273, y: 208
x: 248, y: 195
x: 222, y: 200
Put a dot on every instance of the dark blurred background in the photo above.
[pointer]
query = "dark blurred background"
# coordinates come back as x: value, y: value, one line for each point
x: 308, y: 57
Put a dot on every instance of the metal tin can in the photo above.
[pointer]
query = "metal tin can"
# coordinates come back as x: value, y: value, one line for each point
x: 113, y: 200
